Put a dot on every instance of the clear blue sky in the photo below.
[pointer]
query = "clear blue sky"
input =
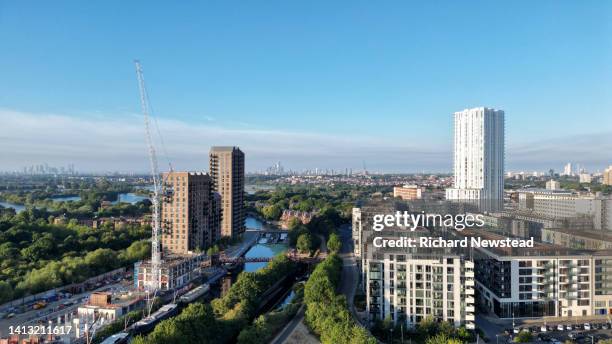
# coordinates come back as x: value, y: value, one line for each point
x: 389, y: 71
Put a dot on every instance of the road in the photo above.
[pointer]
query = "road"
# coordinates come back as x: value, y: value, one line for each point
x: 350, y: 275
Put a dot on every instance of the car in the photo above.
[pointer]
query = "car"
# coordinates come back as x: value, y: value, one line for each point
x: 569, y: 327
x: 587, y: 326
x: 543, y: 329
x: 554, y: 341
x: 516, y: 330
x: 605, y: 326
x: 534, y: 329
x: 544, y: 337
x: 10, y: 315
x: 560, y: 327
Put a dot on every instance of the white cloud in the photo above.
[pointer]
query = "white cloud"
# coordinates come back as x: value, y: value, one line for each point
x: 108, y: 143
x: 111, y: 143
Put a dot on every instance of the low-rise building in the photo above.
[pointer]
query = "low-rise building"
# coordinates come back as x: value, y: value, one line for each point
x: 104, y: 308
x: 607, y: 176
x: 288, y: 215
x: 176, y: 271
x: 407, y: 192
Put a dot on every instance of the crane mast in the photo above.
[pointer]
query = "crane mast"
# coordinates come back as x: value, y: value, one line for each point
x: 154, y: 283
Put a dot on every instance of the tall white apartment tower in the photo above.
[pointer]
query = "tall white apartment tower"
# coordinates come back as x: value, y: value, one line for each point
x: 479, y: 157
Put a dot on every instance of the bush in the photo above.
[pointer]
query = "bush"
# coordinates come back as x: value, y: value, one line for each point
x: 523, y: 337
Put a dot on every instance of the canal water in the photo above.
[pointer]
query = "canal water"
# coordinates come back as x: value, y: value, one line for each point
x: 260, y: 250
x: 127, y: 197
x: 18, y: 207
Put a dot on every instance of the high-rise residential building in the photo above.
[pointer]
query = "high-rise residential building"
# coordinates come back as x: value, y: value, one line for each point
x: 479, y: 157
x: 607, y: 176
x: 567, y: 169
x: 187, y: 219
x: 227, y: 172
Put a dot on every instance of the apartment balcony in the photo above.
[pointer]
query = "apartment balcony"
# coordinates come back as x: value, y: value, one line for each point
x: 469, y: 291
x: 469, y: 283
x: 470, y: 317
x: 469, y: 274
x: 470, y: 309
x: 470, y: 325
x: 470, y: 264
x: 469, y: 300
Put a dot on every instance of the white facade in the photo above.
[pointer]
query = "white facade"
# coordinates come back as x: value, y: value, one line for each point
x: 567, y: 169
x: 479, y: 157
x: 585, y: 178
x: 410, y: 289
x: 560, y: 204
x: 553, y: 185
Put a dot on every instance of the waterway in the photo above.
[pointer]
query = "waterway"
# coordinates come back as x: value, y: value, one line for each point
x: 18, y: 207
x: 127, y: 197
x: 66, y: 198
x: 130, y: 197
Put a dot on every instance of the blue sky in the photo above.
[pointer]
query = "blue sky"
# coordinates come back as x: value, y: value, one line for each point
x: 310, y: 83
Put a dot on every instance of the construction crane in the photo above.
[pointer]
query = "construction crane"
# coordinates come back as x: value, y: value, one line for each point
x: 154, y: 282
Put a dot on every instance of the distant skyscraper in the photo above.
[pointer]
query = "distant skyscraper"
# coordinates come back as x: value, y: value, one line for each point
x: 479, y: 157
x: 187, y: 212
x: 227, y: 172
x: 567, y: 169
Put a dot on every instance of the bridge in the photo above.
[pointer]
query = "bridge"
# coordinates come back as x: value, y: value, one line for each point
x: 268, y: 231
x: 291, y: 254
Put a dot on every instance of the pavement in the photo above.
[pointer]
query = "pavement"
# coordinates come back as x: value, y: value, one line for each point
x: 295, y: 332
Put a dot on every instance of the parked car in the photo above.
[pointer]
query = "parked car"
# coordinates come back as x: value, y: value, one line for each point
x: 560, y: 327
x: 543, y: 328
x: 605, y: 326
x: 586, y: 326
x: 554, y: 341
x: 569, y: 327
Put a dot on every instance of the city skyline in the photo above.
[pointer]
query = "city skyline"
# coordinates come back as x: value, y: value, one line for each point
x: 326, y: 84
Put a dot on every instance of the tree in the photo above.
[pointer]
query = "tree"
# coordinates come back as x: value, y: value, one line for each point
x: 6, y: 292
x: 333, y: 243
x: 272, y: 212
x: 523, y: 337
x: 304, y: 243
x: 442, y: 339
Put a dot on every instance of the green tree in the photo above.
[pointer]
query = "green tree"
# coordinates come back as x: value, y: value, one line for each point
x: 442, y: 339
x: 6, y: 292
x: 272, y: 212
x: 333, y: 243
x: 523, y: 337
x: 304, y: 243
